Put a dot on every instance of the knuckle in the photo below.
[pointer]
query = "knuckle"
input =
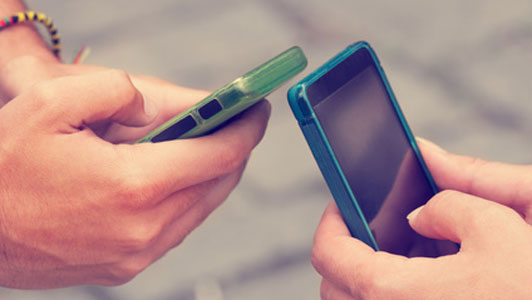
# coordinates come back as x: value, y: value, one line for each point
x: 443, y: 196
x: 43, y: 92
x: 131, y: 189
x: 125, y: 271
x: 446, y: 201
x: 317, y: 257
x: 324, y: 290
x: 477, y: 162
x: 476, y: 165
x: 127, y: 89
x: 376, y: 280
x: 115, y: 278
x: 369, y: 286
x: 443, y: 199
x: 232, y: 157
x: 378, y: 286
x: 133, y: 267
x: 139, y: 236
x: 44, y: 100
x: 129, y: 193
x: 119, y: 75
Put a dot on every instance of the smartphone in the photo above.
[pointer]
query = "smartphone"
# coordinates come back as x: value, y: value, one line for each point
x: 231, y: 99
x: 366, y: 151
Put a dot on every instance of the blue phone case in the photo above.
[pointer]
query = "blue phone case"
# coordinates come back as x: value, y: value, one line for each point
x: 323, y: 153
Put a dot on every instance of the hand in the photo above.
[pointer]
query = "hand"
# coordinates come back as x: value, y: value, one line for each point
x: 509, y: 185
x: 494, y: 261
x: 165, y: 99
x: 389, y: 227
x: 76, y: 209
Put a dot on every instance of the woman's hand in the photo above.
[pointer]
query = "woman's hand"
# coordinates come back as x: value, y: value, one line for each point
x: 485, y: 206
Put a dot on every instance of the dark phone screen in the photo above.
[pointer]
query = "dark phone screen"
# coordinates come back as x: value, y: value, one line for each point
x: 175, y: 131
x: 355, y: 111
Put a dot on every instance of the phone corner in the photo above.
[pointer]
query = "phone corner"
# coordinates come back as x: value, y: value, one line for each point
x: 299, y: 56
x: 298, y: 102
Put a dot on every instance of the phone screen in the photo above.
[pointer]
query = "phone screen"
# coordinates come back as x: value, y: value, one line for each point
x: 357, y: 115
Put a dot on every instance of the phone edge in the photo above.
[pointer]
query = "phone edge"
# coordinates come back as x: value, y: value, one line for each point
x: 328, y: 164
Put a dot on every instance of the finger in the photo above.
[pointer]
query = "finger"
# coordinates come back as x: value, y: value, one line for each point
x: 463, y: 218
x: 170, y: 166
x: 347, y: 262
x: 179, y: 203
x: 332, y: 223
x: 92, y: 98
x: 352, y: 266
x: 183, y: 222
x: 171, y: 100
x: 478, y: 177
x: 329, y: 291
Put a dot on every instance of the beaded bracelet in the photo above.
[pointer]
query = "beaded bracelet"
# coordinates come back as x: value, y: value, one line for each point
x: 22, y: 17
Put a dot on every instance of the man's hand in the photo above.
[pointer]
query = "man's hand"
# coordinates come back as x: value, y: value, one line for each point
x: 76, y: 209
x: 494, y: 261
x: 165, y: 99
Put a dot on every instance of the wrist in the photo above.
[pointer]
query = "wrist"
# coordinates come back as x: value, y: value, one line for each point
x: 21, y: 72
x: 20, y: 39
x: 23, y: 40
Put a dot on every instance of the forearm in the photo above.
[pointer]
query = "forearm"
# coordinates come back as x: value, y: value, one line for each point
x: 21, y: 39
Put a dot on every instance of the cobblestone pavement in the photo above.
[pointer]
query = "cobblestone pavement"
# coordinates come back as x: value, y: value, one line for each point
x: 461, y: 70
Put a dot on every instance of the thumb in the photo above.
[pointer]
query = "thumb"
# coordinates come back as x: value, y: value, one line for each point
x: 462, y: 218
x: 96, y: 98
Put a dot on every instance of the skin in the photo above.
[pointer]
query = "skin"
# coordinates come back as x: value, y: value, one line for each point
x: 77, y: 209
x: 484, y: 206
x: 22, y: 39
x: 164, y: 99
x: 78, y: 203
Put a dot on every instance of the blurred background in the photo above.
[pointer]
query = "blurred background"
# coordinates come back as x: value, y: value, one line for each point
x: 461, y: 70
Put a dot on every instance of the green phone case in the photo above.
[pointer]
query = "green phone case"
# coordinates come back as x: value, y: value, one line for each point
x: 231, y: 99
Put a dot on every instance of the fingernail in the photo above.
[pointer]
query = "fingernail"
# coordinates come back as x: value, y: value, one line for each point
x: 413, y: 214
x: 150, y: 109
x: 431, y: 145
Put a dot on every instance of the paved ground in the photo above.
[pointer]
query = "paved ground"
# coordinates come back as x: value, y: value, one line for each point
x: 461, y: 70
